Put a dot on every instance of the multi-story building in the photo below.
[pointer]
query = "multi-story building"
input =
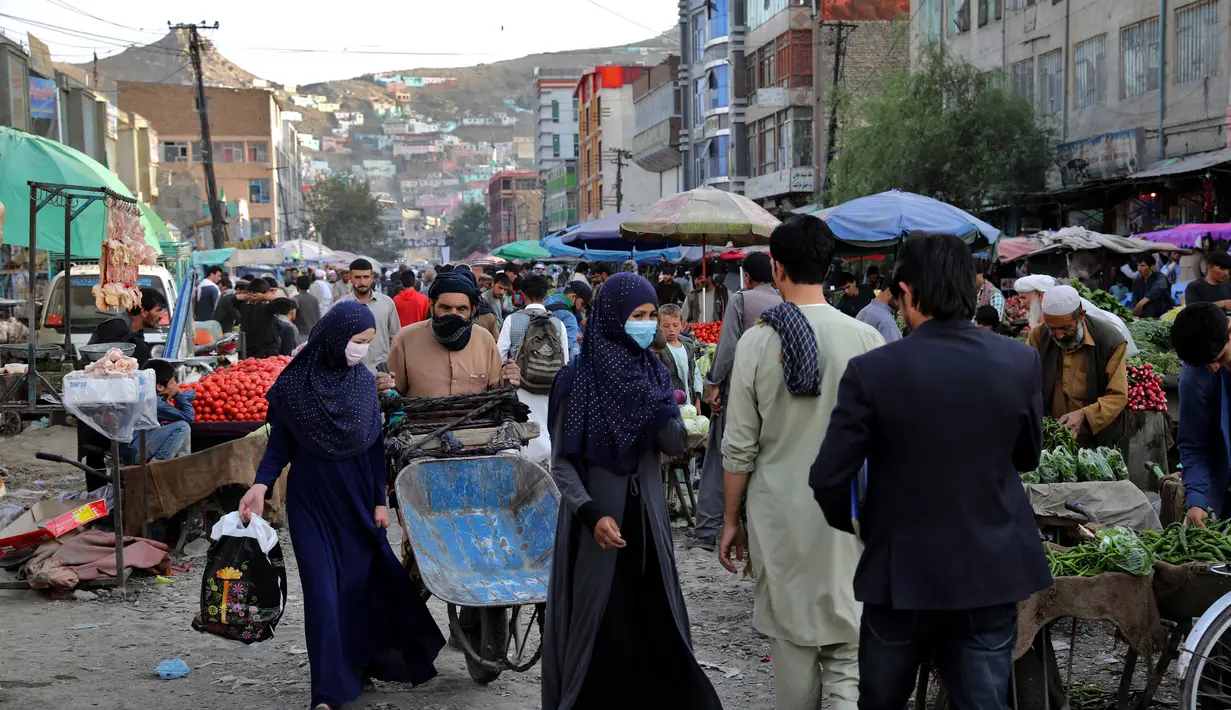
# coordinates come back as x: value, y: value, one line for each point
x: 608, y: 181
x: 560, y: 188
x: 555, y: 127
x: 711, y: 76
x: 778, y: 77
x: 1136, y: 91
x: 783, y: 143
x: 247, y: 134
x: 502, y: 191
x: 656, y: 109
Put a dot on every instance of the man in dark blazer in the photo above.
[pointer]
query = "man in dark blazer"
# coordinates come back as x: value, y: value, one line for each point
x: 945, y: 419
x: 1202, y: 340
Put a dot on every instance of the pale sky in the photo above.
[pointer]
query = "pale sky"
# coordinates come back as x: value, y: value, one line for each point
x: 346, y: 38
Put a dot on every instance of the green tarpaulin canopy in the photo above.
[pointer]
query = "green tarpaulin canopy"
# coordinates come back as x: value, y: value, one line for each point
x: 524, y: 250
x: 28, y: 158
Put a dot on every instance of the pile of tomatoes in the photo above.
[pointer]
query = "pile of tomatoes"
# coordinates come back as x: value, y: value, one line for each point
x: 707, y: 332
x: 237, y: 393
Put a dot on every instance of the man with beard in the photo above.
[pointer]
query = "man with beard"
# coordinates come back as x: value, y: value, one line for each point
x: 447, y: 355
x: 363, y: 285
x: 1085, y: 381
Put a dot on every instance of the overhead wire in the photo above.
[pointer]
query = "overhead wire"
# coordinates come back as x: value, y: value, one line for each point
x: 658, y: 33
x: 71, y: 8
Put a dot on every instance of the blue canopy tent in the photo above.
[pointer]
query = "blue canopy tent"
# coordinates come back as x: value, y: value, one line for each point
x: 881, y: 220
x: 555, y: 244
x: 604, y: 234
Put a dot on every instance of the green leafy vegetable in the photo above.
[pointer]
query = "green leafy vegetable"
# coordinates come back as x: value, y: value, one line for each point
x: 1058, y: 436
x: 1103, y: 300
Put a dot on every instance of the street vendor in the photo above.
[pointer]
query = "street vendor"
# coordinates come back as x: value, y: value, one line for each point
x: 130, y: 327
x: 447, y: 355
x: 1033, y: 287
x: 1085, y: 380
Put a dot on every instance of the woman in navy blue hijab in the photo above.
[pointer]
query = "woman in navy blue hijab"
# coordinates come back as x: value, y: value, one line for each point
x: 361, y: 618
x: 616, y: 631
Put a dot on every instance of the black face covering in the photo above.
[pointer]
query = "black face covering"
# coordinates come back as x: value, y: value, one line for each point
x: 452, y: 331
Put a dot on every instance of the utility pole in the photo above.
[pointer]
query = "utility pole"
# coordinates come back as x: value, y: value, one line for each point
x: 621, y: 155
x: 843, y: 31
x: 218, y: 224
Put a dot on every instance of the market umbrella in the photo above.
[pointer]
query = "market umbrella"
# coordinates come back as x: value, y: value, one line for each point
x: 558, y: 248
x: 702, y: 216
x: 525, y: 250
x: 883, y: 219
x: 26, y: 158
x: 1188, y: 235
x: 604, y: 234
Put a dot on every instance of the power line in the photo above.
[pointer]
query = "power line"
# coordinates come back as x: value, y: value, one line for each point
x: 628, y: 19
x: 70, y: 8
x: 101, y: 40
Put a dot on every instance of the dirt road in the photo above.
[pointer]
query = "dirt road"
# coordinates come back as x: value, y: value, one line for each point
x: 101, y: 653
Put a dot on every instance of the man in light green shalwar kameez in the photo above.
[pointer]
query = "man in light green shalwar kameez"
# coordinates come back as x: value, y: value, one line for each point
x: 784, y: 386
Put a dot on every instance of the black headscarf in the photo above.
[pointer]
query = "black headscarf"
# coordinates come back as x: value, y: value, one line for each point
x: 619, y: 393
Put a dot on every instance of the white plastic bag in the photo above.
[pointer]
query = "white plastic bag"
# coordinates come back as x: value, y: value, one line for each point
x: 114, y: 405
x: 230, y: 525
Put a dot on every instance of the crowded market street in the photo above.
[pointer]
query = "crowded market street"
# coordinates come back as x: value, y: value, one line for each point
x: 98, y: 653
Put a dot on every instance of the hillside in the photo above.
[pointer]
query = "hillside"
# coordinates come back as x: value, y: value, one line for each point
x: 480, y: 89
x: 484, y: 88
x: 166, y: 62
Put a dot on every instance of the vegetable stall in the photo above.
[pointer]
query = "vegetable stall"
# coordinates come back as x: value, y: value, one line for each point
x: 230, y: 401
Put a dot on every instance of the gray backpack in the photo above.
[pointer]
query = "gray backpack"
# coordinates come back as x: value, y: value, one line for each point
x: 541, y: 354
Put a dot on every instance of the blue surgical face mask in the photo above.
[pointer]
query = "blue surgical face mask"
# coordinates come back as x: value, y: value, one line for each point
x: 641, y: 331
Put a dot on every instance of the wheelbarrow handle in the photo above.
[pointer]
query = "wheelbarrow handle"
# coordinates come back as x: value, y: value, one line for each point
x: 55, y: 458
x: 1077, y: 507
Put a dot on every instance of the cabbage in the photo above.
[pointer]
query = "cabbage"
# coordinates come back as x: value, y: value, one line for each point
x: 688, y: 412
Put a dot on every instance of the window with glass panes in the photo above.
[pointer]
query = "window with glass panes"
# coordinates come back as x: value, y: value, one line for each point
x: 1139, y: 59
x: 1090, y: 72
x: 1051, y: 83
x: 698, y: 37
x: 1023, y: 79
x: 175, y: 151
x: 258, y: 152
x: 1197, y: 46
x: 258, y: 191
x: 555, y: 145
x: 555, y: 111
x: 228, y: 152
x: 767, y: 145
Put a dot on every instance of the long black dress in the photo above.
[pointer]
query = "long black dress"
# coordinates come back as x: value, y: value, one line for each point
x: 616, y: 633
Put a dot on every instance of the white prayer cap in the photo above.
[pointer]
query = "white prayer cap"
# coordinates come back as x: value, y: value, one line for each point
x: 1061, y: 301
x: 320, y: 273
x: 1034, y: 282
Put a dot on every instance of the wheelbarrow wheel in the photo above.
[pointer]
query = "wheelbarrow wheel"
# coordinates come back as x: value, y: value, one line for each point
x: 483, y: 633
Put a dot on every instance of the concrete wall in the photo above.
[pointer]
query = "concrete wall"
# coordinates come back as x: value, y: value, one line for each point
x: 1196, y: 112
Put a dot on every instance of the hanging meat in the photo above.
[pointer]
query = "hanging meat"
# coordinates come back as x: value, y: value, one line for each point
x: 124, y: 249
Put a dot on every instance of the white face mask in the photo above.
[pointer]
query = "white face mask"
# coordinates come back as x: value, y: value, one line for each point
x: 355, y: 352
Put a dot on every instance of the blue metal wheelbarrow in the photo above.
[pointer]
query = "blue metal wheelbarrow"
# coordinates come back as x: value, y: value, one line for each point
x: 481, y: 530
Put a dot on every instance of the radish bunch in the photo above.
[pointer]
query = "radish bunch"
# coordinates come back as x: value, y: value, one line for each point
x: 1145, y: 389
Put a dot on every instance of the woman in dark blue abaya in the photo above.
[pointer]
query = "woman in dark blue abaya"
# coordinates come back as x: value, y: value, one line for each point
x: 361, y: 618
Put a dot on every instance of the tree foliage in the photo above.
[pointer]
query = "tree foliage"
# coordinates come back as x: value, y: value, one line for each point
x: 946, y: 130
x: 346, y: 216
x: 469, y: 231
